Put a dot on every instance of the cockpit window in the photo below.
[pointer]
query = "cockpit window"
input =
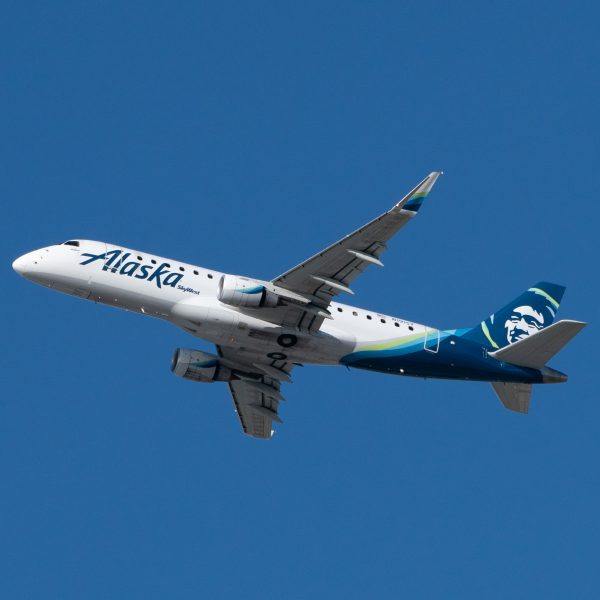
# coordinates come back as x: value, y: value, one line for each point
x: 71, y: 243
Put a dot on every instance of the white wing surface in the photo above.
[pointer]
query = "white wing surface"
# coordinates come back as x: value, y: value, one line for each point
x: 332, y: 270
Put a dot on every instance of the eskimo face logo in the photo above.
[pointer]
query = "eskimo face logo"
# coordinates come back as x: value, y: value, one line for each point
x: 522, y: 322
x: 133, y: 268
x: 525, y: 316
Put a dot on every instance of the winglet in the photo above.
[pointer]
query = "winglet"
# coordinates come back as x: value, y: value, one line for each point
x: 413, y: 200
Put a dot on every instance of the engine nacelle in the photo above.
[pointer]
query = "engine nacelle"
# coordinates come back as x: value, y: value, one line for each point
x: 243, y: 292
x: 199, y: 366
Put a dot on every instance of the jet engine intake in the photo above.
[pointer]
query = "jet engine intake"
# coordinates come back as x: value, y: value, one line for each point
x: 199, y: 366
x: 245, y: 293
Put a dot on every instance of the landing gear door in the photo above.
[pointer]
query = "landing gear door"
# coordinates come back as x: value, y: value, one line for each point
x: 431, y: 342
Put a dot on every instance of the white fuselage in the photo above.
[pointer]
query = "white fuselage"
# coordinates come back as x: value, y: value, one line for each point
x: 186, y: 295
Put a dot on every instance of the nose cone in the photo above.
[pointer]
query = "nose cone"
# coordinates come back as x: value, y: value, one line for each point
x: 29, y: 265
x: 37, y: 266
x: 20, y: 265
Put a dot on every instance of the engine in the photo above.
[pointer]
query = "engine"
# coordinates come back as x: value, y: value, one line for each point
x: 243, y: 292
x: 199, y: 366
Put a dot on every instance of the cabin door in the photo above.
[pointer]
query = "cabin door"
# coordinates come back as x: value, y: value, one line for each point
x: 431, y: 342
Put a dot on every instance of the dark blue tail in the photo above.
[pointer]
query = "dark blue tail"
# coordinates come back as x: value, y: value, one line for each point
x: 531, y: 311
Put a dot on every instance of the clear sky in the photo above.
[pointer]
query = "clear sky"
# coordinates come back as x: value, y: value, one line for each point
x: 245, y: 137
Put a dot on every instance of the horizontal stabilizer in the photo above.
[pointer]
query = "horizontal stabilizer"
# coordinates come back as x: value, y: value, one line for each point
x: 514, y: 396
x: 536, y: 350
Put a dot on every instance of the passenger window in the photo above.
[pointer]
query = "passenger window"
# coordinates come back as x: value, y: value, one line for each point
x: 181, y: 269
x: 339, y: 309
x: 355, y: 313
x: 411, y: 327
x: 397, y: 324
x: 383, y: 320
x: 153, y: 261
x: 369, y: 317
x: 195, y: 272
x: 140, y: 258
x: 209, y: 276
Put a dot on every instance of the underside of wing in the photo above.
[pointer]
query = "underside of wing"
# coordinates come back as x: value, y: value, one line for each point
x: 255, y: 410
x: 255, y: 389
x: 331, y: 271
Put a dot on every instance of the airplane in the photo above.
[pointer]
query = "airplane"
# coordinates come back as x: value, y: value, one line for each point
x: 264, y: 329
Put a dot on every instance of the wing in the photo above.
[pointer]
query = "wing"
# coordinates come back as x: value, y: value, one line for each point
x: 332, y: 270
x: 256, y: 389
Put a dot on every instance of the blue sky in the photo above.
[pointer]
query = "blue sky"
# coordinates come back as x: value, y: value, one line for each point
x: 245, y: 137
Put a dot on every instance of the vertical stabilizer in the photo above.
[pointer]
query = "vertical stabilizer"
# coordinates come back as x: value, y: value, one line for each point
x: 529, y: 313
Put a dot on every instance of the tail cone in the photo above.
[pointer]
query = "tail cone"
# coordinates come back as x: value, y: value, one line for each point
x: 550, y: 375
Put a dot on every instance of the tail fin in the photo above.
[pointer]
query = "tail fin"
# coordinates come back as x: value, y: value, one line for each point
x: 532, y: 311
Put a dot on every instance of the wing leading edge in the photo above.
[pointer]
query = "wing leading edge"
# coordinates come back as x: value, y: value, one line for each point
x: 331, y: 271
